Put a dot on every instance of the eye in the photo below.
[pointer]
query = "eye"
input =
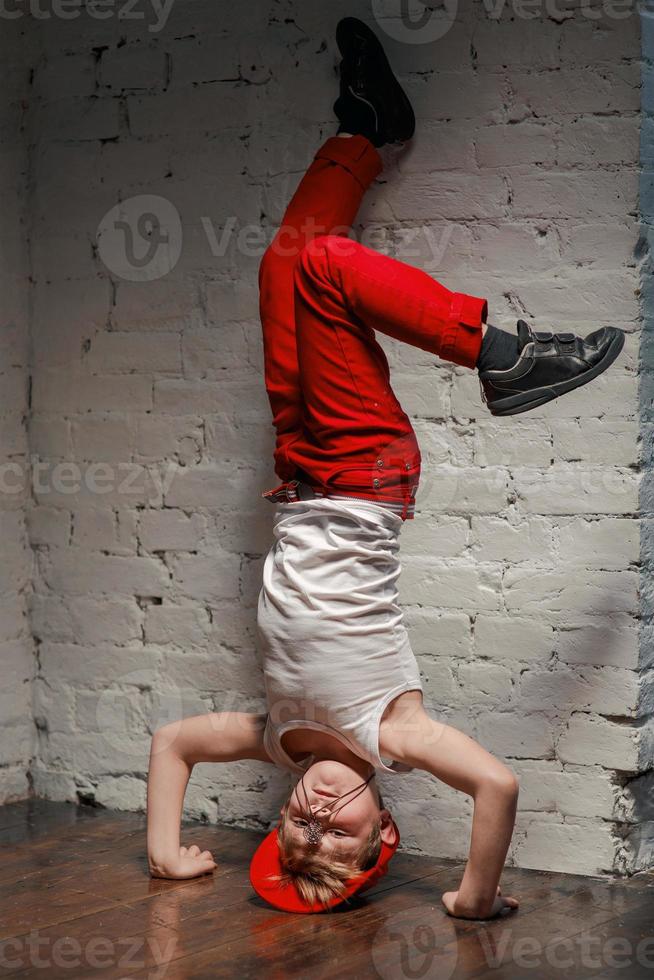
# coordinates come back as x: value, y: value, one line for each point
x: 338, y: 833
x: 299, y: 822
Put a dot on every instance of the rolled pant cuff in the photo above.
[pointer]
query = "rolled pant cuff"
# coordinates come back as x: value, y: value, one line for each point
x: 356, y: 154
x: 462, y: 342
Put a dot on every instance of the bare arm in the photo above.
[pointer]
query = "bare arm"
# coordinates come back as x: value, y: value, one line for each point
x: 411, y: 736
x: 176, y: 748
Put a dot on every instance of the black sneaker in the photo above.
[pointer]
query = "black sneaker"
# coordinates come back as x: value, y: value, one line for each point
x: 372, y: 102
x: 549, y: 365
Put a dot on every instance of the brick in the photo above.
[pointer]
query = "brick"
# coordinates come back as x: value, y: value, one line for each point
x: 13, y: 435
x: 546, y: 786
x: 158, y: 437
x: 247, y: 402
x: 453, y: 197
x: 464, y: 490
x: 587, y: 849
x: 13, y: 616
x: 529, y: 445
x: 439, y: 537
x: 607, y: 690
x: 459, y: 95
x: 78, y: 119
x: 204, y: 58
x: 494, y: 539
x: 511, y: 146
x: 49, y: 526
x: 514, y: 736
x: 150, y: 114
x: 60, y: 336
x: 500, y: 637
x: 49, y: 436
x: 209, y: 353
x: 610, y: 543
x: 553, y: 594
x: 424, y: 398
x: 15, y: 569
x: 102, y: 438
x: 127, y: 352
x: 130, y: 68
x: 486, y: 682
x: 432, y: 633
x: 94, y: 528
x: 591, y: 740
x: 605, y: 142
x: 77, y: 572
x: 94, y: 666
x: 598, y: 645
x: 180, y: 625
x: 574, y: 195
x: 95, y: 621
x: 170, y: 530
x: 456, y: 586
x: 438, y: 681
x: 577, y: 490
x: 208, y: 486
x: 121, y: 793
x: 595, y: 441
x: 442, y: 146
x: 515, y: 43
x: 514, y: 248
x: 440, y: 444
x: 578, y: 90
x: 70, y: 484
x: 206, y: 577
x: 14, y: 785
x: 55, y: 391
x: 164, y: 304
x: 600, y: 244
x: 608, y: 41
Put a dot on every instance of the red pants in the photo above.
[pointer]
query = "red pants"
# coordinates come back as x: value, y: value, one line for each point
x: 340, y: 427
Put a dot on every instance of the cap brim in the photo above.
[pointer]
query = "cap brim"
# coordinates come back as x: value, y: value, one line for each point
x: 266, y: 865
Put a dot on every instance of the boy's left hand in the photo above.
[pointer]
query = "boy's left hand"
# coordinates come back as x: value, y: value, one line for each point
x: 191, y: 862
x: 501, y: 906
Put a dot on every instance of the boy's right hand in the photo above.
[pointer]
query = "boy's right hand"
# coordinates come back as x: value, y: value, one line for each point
x: 191, y: 862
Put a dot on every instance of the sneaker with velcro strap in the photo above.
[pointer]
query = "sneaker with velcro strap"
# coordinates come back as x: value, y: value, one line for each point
x: 549, y: 365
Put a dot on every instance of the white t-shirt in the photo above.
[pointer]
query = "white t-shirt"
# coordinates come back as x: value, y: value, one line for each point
x: 334, y: 645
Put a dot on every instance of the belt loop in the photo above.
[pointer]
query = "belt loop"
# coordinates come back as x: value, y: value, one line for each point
x: 292, y: 491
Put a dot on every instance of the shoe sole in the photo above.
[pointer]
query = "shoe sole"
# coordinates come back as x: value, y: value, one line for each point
x: 528, y: 400
x: 348, y: 32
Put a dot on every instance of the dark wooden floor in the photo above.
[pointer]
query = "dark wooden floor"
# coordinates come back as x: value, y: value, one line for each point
x: 76, y: 901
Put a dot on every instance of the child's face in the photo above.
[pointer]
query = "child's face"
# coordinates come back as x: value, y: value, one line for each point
x: 346, y: 830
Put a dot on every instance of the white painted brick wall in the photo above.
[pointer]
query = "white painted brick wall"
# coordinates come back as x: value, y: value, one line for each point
x: 520, y: 578
x: 16, y: 646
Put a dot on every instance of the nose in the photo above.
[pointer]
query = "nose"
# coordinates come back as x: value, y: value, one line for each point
x: 317, y: 808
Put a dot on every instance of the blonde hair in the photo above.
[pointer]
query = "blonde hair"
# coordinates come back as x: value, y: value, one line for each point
x: 321, y: 879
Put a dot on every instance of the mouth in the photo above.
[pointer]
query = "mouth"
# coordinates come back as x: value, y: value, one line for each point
x: 325, y: 794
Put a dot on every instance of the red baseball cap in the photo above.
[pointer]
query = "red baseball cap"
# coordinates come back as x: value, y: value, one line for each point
x: 266, y: 863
